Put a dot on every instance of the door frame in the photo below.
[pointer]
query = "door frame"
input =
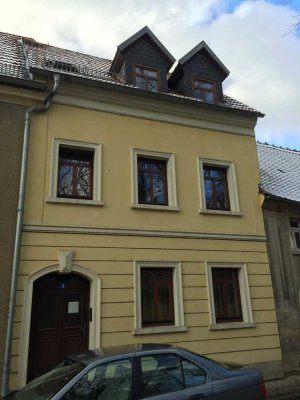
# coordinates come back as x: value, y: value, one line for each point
x: 94, y: 325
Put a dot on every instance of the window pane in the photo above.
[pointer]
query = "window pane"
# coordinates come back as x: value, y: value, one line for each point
x: 152, y: 85
x: 216, y: 188
x: 226, y: 294
x: 152, y: 181
x: 157, y: 300
x: 209, y: 97
x: 150, y: 73
x: 75, y: 171
x: 140, y: 82
x: 107, y: 381
x: 161, y: 373
x: 193, y: 375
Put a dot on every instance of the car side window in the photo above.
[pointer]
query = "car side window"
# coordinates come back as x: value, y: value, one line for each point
x: 193, y: 374
x: 161, y: 373
x: 109, y: 381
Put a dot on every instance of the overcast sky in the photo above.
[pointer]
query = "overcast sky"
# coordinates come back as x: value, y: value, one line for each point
x: 254, y: 39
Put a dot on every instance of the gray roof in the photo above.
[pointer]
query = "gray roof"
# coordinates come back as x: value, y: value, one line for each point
x: 280, y: 171
x: 21, y: 56
x: 141, y: 33
x: 196, y: 49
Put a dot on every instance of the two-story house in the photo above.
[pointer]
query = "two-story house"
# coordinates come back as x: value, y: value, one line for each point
x: 142, y: 215
x: 280, y: 187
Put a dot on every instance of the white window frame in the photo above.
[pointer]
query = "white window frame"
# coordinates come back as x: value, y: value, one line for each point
x: 96, y: 148
x: 177, y: 298
x: 171, y: 180
x: 231, y: 183
x: 293, y: 231
x: 244, y: 293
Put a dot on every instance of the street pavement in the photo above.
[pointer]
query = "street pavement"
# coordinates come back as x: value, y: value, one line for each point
x: 287, y: 388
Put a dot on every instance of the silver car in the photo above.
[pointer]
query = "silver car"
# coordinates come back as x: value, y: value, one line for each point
x: 150, y: 371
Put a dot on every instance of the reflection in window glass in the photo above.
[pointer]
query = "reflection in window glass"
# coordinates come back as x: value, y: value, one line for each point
x: 75, y: 173
x: 161, y: 373
x: 193, y: 375
x: 152, y: 181
x: 146, y: 78
x: 216, y: 188
x: 204, y: 90
x: 110, y: 381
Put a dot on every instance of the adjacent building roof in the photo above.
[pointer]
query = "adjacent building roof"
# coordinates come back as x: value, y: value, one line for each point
x: 21, y: 57
x: 280, y: 172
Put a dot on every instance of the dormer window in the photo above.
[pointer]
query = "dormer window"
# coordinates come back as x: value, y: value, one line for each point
x: 146, y: 78
x: 204, y: 90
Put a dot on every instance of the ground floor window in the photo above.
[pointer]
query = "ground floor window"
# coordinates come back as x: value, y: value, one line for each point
x: 229, y: 295
x: 158, y: 297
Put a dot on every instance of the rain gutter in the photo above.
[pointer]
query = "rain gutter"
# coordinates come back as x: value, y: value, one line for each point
x: 18, y: 237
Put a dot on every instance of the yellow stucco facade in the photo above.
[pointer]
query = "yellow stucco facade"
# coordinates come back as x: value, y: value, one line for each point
x: 111, y: 236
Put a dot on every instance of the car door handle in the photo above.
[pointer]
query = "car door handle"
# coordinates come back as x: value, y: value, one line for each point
x: 196, y: 396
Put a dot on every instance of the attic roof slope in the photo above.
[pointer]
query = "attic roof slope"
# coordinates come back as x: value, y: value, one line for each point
x: 141, y: 33
x: 202, y: 45
x: 280, y: 171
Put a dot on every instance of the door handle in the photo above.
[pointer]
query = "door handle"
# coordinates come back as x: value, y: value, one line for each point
x: 196, y: 396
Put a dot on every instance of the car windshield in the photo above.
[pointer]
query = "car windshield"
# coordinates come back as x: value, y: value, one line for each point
x: 47, y: 385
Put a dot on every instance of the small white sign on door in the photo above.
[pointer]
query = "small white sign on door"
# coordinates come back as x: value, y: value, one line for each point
x: 73, y: 307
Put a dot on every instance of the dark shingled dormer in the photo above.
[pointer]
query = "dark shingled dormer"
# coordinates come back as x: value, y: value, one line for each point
x: 199, y: 74
x: 143, y: 61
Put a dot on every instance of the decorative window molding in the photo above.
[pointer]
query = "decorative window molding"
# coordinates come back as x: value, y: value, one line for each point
x: 178, y: 325
x: 244, y: 293
x: 170, y: 182
x: 71, y: 145
x: 229, y: 167
x: 295, y: 235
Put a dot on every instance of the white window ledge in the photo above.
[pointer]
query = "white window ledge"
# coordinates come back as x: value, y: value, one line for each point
x: 159, y: 329
x: 232, y: 325
x: 220, y: 212
x: 75, y: 201
x: 154, y: 207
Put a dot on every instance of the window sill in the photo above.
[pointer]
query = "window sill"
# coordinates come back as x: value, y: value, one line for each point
x: 232, y: 325
x: 296, y: 251
x: 220, y: 212
x: 75, y: 201
x: 159, y: 329
x: 155, y: 207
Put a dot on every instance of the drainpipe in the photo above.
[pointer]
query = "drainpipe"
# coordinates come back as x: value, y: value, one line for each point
x: 18, y: 237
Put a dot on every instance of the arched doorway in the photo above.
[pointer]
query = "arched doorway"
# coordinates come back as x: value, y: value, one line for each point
x: 59, y: 320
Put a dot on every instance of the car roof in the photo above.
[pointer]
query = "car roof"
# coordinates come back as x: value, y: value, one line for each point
x: 89, y: 356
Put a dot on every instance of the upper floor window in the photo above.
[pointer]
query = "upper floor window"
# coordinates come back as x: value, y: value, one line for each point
x: 216, y: 187
x: 153, y: 178
x: 76, y: 172
x: 146, y: 78
x: 204, y: 90
x: 152, y: 181
x: 295, y: 233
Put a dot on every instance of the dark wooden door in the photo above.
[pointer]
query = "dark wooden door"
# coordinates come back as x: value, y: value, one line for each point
x: 59, y: 321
